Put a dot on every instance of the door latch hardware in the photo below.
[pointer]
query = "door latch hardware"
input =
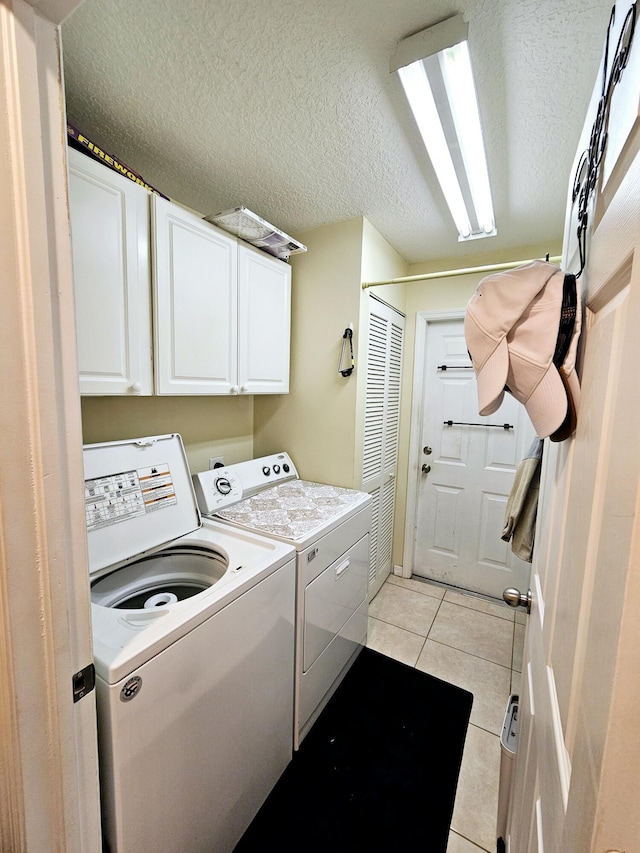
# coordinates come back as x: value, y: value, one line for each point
x: 426, y: 468
x: 515, y: 598
x: 83, y: 682
x: 427, y: 450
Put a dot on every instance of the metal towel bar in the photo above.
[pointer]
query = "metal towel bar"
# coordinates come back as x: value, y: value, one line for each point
x: 463, y: 423
x: 455, y: 367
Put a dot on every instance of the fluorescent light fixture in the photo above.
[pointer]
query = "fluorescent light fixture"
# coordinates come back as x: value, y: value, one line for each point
x: 434, y: 67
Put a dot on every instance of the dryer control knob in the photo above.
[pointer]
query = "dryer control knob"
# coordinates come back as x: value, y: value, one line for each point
x: 285, y: 468
x: 223, y: 485
x: 276, y: 469
x: 266, y: 470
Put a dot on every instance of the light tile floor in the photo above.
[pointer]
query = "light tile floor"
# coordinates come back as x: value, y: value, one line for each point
x: 475, y: 644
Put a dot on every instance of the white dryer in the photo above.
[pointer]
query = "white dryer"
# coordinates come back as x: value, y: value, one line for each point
x: 330, y: 528
x: 193, y: 631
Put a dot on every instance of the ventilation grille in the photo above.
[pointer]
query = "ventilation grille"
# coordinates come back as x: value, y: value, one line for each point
x: 393, y: 399
x: 375, y: 398
x: 373, y: 540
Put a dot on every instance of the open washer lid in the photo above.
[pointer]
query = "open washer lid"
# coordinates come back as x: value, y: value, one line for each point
x: 138, y: 496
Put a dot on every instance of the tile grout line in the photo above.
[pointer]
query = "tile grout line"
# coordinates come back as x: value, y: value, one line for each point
x: 456, y: 591
x: 399, y: 627
x: 470, y: 840
x: 471, y: 654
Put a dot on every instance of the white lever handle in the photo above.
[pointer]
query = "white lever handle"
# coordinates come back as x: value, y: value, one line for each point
x: 342, y: 568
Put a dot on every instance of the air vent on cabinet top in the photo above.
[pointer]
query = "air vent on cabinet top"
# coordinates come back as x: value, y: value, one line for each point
x: 253, y: 229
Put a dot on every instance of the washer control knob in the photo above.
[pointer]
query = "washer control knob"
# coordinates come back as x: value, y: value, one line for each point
x: 266, y: 470
x: 286, y: 468
x: 276, y: 469
x: 223, y: 485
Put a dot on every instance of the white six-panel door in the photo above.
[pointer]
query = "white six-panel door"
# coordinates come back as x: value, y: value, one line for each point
x: 465, y: 472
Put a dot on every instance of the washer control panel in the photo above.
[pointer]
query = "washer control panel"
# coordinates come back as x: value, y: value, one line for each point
x: 222, y: 487
x: 216, y: 489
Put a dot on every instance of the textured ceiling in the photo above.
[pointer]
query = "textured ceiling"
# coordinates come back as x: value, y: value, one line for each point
x: 288, y: 108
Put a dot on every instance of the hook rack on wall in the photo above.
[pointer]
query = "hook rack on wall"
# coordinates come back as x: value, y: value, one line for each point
x: 347, y: 337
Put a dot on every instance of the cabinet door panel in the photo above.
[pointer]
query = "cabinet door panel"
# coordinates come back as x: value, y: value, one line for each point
x: 110, y: 244
x: 195, y: 304
x: 264, y: 322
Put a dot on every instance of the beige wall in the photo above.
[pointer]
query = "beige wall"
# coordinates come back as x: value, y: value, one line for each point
x: 320, y: 421
x: 315, y: 422
x: 380, y: 261
x: 209, y: 426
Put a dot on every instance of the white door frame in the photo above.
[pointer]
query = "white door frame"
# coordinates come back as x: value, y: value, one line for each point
x: 49, y: 797
x: 423, y: 318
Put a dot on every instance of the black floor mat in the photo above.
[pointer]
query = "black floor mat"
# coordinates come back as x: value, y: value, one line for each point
x: 377, y: 772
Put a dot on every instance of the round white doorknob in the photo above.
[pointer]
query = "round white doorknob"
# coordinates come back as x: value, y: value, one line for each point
x: 234, y: 389
x: 136, y: 387
x: 243, y: 389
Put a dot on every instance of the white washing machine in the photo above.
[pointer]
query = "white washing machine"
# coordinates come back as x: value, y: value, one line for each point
x: 329, y: 528
x: 193, y: 631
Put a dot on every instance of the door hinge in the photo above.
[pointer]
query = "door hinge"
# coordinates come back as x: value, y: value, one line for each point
x: 83, y: 682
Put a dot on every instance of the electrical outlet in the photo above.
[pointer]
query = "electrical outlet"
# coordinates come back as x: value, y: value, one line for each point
x: 216, y: 462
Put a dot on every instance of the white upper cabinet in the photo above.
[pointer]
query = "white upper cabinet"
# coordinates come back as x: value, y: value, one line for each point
x: 110, y: 243
x: 195, y: 290
x: 221, y: 310
x: 264, y: 319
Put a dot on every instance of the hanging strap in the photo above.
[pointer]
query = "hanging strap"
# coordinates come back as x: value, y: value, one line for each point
x: 348, y: 336
x: 567, y: 319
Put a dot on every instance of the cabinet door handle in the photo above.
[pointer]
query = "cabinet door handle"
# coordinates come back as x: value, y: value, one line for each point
x: 234, y: 389
x: 342, y: 568
x: 243, y: 389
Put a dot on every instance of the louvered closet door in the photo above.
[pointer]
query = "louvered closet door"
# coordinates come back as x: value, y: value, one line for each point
x: 381, y: 425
